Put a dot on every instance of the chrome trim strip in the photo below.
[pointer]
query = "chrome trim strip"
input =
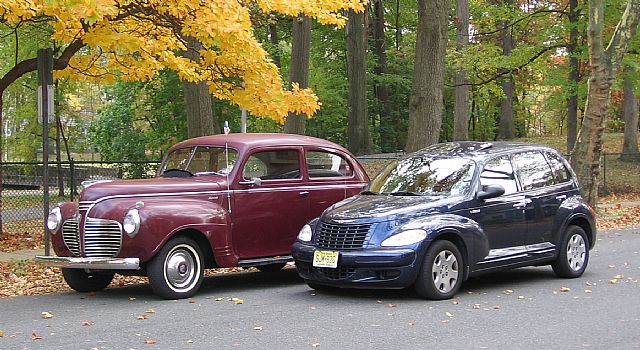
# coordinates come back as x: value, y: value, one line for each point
x: 170, y: 194
x: 90, y: 263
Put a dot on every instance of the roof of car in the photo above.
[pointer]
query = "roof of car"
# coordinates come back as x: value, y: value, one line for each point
x: 249, y: 140
x: 476, y: 149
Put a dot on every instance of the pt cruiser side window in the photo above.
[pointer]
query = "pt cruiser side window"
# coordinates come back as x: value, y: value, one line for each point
x: 533, y: 170
x: 558, y: 168
x: 499, y: 171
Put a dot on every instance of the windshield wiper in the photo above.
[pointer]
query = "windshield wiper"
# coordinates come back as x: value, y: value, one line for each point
x: 369, y: 193
x: 404, y: 193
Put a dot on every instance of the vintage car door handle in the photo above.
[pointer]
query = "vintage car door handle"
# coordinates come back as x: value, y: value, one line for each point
x: 522, y: 203
x: 304, y: 194
x: 561, y: 197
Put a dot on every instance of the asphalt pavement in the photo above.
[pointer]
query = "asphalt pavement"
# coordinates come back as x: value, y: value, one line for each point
x: 527, y: 308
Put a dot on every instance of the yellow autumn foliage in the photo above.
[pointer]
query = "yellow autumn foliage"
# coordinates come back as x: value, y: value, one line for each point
x: 135, y: 39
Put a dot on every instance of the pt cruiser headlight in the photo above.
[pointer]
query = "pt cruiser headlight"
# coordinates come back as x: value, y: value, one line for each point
x: 131, y: 223
x: 305, y: 233
x: 54, y: 220
x: 405, y: 238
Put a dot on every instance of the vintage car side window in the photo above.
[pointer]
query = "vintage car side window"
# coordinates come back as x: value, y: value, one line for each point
x: 178, y: 159
x: 499, y: 171
x: 325, y: 164
x: 559, y: 169
x: 272, y: 165
x: 533, y: 170
x: 212, y: 160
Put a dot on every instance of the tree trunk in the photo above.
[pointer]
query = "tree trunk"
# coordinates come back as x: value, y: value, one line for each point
x: 630, y: 110
x: 506, y: 128
x: 58, y: 143
x: 574, y: 76
x: 198, y: 100
x: 275, y: 42
x: 358, y: 122
x: 426, y: 101
x: 1, y: 156
x: 387, y: 131
x: 299, y: 72
x: 461, y: 109
x: 604, y: 67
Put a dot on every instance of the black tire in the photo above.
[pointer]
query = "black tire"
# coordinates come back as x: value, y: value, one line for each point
x: 84, y: 282
x: 441, y: 272
x: 176, y: 272
x: 573, y: 257
x: 271, y: 267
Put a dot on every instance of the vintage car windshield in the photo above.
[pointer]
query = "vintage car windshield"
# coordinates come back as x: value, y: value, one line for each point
x: 423, y: 175
x: 201, y: 160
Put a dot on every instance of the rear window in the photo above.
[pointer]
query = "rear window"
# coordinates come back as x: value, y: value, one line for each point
x: 559, y: 168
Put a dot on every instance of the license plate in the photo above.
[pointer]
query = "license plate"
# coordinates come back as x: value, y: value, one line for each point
x: 325, y: 259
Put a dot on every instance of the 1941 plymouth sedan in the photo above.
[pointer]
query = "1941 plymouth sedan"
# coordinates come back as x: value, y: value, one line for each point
x: 450, y: 211
x: 217, y: 201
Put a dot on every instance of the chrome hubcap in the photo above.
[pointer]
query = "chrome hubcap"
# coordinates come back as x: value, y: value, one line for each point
x: 576, y: 252
x: 445, y: 271
x: 181, y: 268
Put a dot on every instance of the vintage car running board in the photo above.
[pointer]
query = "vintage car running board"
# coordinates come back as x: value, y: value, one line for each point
x: 265, y: 261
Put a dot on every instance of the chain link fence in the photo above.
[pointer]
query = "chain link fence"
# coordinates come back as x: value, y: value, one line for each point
x: 21, y: 188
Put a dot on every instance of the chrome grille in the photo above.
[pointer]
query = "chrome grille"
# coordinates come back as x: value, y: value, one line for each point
x: 84, y: 206
x: 102, y: 238
x: 70, y: 235
x: 344, y: 237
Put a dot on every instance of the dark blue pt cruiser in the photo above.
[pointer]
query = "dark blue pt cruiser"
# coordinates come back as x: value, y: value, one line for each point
x: 448, y: 212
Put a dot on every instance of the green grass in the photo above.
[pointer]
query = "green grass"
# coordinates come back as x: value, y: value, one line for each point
x: 28, y: 201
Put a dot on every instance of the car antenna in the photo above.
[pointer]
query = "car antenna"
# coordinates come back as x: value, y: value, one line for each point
x: 226, y: 156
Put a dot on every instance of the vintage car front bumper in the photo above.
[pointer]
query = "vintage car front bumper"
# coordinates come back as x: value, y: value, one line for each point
x: 90, y: 263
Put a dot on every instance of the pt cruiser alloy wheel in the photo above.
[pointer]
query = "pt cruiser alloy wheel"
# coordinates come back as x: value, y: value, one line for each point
x: 176, y: 271
x: 83, y: 282
x: 441, y: 274
x: 574, y: 254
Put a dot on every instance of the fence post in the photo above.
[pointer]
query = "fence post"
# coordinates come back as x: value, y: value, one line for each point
x: 604, y: 173
x: 72, y: 180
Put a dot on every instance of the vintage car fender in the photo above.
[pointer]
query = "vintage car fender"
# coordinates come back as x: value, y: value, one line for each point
x: 476, y: 242
x: 161, y: 218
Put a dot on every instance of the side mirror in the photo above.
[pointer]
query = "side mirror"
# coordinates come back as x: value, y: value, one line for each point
x: 490, y: 191
x: 255, y: 181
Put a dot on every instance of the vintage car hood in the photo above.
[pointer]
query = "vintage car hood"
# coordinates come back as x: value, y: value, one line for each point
x: 152, y: 186
x: 374, y: 208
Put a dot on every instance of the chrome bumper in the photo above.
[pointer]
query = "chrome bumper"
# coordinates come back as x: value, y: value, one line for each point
x: 90, y: 263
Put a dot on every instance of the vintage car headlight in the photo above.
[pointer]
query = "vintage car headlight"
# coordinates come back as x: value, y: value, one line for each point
x: 405, y: 238
x: 305, y: 233
x: 131, y: 223
x: 54, y: 220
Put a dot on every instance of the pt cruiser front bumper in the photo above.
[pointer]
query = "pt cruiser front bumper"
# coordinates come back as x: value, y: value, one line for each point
x: 90, y: 263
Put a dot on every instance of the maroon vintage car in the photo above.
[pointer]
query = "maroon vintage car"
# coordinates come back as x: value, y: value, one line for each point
x: 217, y: 201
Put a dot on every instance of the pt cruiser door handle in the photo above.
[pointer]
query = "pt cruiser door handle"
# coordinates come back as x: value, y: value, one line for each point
x: 522, y: 203
x: 304, y: 194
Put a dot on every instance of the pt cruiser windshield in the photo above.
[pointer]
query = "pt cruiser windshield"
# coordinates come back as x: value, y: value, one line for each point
x: 425, y: 176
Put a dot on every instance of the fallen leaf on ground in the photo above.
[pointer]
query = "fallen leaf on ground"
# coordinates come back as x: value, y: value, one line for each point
x: 613, y: 281
x: 34, y: 336
x: 142, y: 317
x: 257, y: 328
x: 151, y: 311
x: 496, y: 307
x: 476, y: 306
x: 46, y: 314
x: 88, y: 323
x: 618, y: 277
x: 150, y: 341
x: 315, y: 345
x: 392, y: 305
x: 237, y: 301
x: 1, y: 334
x: 450, y: 315
x: 565, y: 289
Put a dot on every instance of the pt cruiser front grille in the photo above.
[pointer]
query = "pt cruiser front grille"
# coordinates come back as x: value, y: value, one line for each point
x: 102, y: 238
x: 344, y: 237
